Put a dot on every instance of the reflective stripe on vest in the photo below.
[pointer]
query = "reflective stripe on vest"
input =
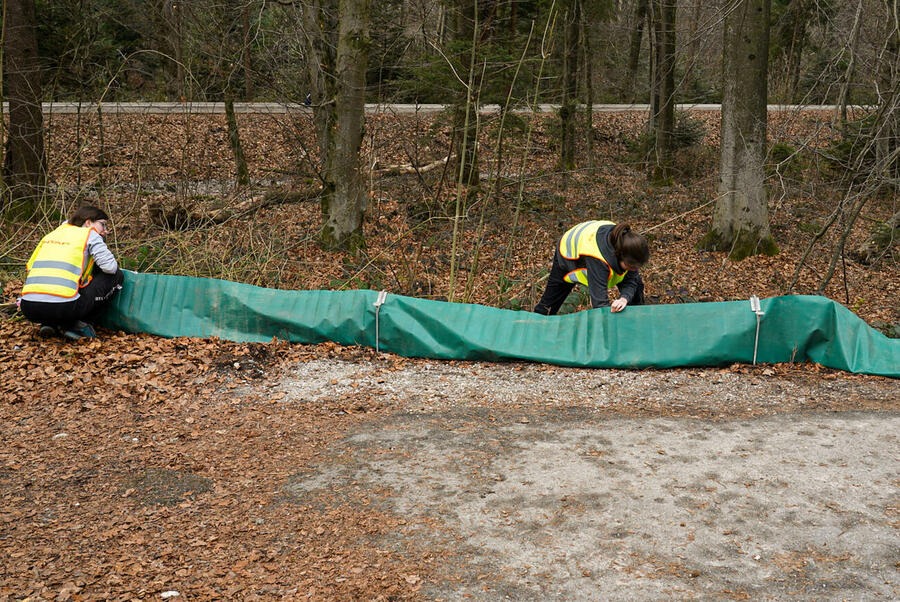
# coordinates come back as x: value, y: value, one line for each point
x: 57, y: 265
x: 581, y: 240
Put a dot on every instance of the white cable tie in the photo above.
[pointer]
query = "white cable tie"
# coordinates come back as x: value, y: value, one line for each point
x: 382, y: 296
x: 755, y: 308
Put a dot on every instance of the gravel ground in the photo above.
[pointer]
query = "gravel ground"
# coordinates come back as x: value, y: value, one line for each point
x: 537, y: 482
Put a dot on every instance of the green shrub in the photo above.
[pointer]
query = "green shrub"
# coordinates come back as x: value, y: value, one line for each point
x: 851, y: 154
x: 785, y: 160
x: 689, y: 132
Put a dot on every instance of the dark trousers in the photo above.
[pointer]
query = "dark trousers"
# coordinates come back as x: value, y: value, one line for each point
x: 94, y: 299
x: 558, y: 289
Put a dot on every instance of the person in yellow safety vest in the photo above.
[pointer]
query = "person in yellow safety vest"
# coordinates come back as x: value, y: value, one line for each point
x: 72, y: 276
x: 600, y: 255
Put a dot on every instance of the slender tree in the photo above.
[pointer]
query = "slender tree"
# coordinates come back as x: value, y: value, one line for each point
x: 662, y: 91
x: 571, y: 22
x: 887, y: 120
x: 637, y: 36
x: 741, y: 219
x: 234, y: 139
x: 246, y: 57
x: 840, y: 111
x: 474, y: 25
x: 25, y: 163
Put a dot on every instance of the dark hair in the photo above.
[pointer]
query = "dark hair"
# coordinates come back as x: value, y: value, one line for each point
x: 85, y: 213
x: 629, y: 246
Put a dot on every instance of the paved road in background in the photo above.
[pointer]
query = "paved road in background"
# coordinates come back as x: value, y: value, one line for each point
x: 276, y: 107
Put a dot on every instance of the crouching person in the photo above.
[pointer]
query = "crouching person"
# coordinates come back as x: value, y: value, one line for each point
x: 72, y: 277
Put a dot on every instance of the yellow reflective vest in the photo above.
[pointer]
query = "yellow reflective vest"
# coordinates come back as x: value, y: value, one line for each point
x: 57, y: 266
x: 581, y: 240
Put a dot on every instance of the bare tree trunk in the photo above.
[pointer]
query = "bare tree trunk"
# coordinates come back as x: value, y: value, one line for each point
x: 664, y: 89
x: 569, y: 88
x: 2, y: 97
x: 338, y: 79
x: 887, y: 124
x: 840, y: 111
x: 177, y: 12
x: 741, y: 219
x: 690, y: 61
x: 246, y: 59
x: 471, y: 29
x: 25, y: 163
x: 798, y: 43
x: 234, y: 139
x: 655, y: 49
x: 588, y: 88
x: 637, y: 36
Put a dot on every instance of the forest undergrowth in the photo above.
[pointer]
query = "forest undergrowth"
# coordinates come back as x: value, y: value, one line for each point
x: 167, y: 182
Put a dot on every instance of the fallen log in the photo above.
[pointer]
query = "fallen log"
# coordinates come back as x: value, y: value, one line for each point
x: 409, y: 168
x: 181, y: 217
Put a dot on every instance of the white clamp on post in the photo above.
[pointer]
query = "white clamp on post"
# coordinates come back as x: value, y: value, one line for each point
x: 754, y: 307
x: 378, y: 303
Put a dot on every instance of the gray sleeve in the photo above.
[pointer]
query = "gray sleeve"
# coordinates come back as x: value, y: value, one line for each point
x: 103, y: 257
x: 598, y: 276
x: 629, y: 285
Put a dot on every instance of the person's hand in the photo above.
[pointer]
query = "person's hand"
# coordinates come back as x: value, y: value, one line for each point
x: 618, y: 305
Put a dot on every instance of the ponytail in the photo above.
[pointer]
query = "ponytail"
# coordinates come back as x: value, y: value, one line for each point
x: 629, y: 246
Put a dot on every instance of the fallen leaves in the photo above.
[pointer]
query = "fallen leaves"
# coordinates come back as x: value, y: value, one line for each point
x: 100, y: 471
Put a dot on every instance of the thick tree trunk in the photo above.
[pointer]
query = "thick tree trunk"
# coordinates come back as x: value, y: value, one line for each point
x: 741, y: 218
x: 25, y: 163
x: 338, y: 79
x: 570, y: 86
x: 664, y: 90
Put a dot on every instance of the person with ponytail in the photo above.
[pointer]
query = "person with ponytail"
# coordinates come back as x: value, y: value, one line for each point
x: 600, y: 255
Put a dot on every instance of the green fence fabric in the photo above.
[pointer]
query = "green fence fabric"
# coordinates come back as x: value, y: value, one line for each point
x: 793, y: 328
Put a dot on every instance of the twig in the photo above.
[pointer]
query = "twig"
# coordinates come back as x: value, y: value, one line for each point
x: 680, y: 216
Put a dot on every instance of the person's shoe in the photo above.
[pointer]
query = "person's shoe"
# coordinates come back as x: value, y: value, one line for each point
x: 80, y: 330
x: 47, y: 331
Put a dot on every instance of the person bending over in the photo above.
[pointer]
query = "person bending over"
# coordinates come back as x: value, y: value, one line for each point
x: 600, y: 255
x: 72, y: 276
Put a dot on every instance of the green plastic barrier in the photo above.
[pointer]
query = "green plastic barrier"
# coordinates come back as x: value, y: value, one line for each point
x: 792, y: 328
